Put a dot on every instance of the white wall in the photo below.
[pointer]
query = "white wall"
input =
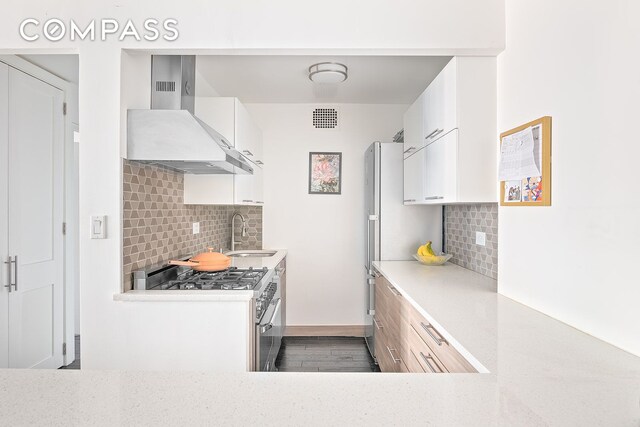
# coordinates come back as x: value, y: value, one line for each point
x: 229, y: 26
x: 324, y: 234
x: 576, y: 260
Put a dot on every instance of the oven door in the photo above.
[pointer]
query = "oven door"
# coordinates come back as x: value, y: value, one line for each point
x: 269, y: 337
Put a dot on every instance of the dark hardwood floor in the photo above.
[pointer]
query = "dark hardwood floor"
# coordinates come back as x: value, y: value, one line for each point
x: 325, y: 354
x: 76, y: 363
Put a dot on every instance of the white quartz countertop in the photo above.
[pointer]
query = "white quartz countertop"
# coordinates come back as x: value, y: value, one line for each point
x: 208, y: 295
x: 542, y: 372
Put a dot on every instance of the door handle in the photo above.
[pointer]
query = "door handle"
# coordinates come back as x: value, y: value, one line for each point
x: 15, y: 273
x: 9, y: 262
x: 434, y: 197
x: 434, y: 133
x: 269, y: 325
x: 391, y: 350
x: 408, y: 150
x: 428, y: 359
x: 409, y: 200
x: 247, y: 152
x: 377, y: 324
x: 431, y: 134
x: 438, y: 339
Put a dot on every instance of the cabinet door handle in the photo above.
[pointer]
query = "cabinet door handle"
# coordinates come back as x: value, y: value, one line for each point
x: 427, y: 360
x: 259, y: 162
x: 247, y: 201
x: 377, y: 324
x: 438, y: 339
x: 258, y: 201
x: 409, y: 150
x: 434, y: 133
x: 247, y: 152
x: 225, y: 143
x: 410, y: 200
x: 391, y: 350
x: 9, y: 263
x: 394, y: 291
x: 434, y: 197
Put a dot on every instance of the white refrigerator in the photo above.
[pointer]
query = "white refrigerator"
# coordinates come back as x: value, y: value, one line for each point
x: 393, y: 231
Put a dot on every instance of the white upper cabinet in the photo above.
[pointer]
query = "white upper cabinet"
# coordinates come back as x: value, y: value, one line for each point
x: 455, y: 157
x: 414, y: 178
x: 414, y: 127
x: 232, y: 120
x: 440, y: 176
x: 248, y: 136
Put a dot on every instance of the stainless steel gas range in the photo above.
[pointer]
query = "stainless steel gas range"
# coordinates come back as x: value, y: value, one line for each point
x: 267, y: 301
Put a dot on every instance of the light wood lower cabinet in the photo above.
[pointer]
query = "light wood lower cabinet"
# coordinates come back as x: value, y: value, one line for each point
x: 405, y: 341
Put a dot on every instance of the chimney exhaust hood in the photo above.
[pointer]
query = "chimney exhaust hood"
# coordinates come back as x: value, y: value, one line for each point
x: 169, y: 134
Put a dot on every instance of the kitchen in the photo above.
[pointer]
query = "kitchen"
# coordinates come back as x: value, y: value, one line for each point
x: 486, y: 326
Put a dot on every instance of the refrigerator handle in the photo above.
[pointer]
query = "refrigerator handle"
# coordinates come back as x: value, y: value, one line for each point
x: 369, y: 260
x: 368, y: 248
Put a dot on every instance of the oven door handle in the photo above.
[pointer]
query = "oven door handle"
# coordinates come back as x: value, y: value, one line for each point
x: 269, y: 325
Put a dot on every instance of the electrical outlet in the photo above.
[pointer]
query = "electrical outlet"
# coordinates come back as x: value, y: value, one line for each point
x: 196, y: 227
x: 481, y: 238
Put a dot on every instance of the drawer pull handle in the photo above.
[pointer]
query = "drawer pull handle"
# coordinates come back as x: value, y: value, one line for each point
x: 394, y: 291
x: 377, y: 324
x: 391, y: 350
x: 438, y: 339
x: 428, y: 359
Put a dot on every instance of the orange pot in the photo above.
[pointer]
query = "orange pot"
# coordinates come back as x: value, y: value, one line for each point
x: 206, y: 261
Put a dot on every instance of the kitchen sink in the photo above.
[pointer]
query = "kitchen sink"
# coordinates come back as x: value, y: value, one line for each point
x: 253, y: 253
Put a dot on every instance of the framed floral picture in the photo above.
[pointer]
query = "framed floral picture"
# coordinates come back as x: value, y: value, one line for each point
x: 325, y: 173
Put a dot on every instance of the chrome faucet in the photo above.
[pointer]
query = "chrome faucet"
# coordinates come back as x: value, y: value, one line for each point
x: 233, y: 229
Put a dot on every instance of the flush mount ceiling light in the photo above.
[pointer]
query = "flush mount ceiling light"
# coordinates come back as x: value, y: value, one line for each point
x: 328, y: 72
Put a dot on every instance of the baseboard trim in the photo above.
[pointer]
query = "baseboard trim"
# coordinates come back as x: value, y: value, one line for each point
x: 325, y: 331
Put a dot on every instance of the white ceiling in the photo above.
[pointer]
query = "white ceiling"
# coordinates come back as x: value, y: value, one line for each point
x: 284, y: 79
x: 63, y: 66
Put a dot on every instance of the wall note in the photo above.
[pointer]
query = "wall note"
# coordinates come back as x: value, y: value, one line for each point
x: 518, y: 157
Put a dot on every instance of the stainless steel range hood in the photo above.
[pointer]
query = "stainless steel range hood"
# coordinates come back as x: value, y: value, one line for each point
x: 169, y: 134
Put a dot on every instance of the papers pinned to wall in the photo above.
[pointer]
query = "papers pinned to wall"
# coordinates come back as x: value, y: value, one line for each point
x: 518, y: 156
x: 525, y: 164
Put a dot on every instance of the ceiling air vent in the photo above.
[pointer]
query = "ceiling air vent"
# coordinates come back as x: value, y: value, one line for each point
x: 165, y: 86
x: 325, y: 118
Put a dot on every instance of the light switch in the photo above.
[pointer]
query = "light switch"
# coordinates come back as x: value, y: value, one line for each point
x: 99, y: 227
x: 196, y: 227
x: 481, y: 238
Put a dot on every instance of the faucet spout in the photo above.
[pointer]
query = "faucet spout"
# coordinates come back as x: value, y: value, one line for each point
x: 243, y: 231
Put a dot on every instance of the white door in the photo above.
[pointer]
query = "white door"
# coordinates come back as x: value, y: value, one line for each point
x: 248, y: 134
x: 414, y: 178
x: 258, y: 186
x: 413, y: 121
x: 441, y: 169
x: 36, y: 170
x: 4, y: 215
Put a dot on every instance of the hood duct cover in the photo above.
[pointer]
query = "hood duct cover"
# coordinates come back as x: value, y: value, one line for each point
x: 169, y: 134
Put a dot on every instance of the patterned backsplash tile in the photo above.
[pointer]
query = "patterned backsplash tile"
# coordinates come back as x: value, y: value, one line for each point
x: 157, y: 225
x: 461, y: 224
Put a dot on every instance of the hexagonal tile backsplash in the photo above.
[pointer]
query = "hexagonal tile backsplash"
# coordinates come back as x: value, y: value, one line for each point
x: 461, y: 224
x: 157, y: 225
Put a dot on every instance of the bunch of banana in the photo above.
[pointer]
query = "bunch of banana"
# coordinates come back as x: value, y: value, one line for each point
x: 426, y: 251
